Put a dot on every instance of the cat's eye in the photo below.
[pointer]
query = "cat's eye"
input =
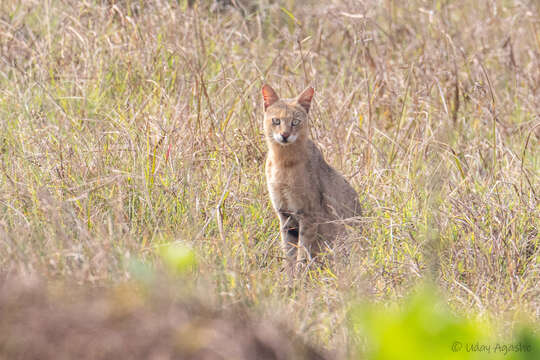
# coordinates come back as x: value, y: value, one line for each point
x: 275, y: 121
x: 295, y: 122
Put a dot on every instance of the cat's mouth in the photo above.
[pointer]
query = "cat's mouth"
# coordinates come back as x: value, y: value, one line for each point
x: 285, y: 141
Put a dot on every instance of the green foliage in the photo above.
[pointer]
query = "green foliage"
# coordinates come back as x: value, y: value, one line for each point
x: 529, y: 341
x: 425, y: 328
x: 179, y: 258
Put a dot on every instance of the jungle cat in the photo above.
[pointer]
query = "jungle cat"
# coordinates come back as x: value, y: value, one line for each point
x: 310, y: 198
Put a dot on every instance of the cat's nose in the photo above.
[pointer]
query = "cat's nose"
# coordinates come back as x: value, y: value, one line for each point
x: 285, y: 135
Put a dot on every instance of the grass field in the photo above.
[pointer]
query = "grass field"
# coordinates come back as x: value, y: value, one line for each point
x: 128, y: 126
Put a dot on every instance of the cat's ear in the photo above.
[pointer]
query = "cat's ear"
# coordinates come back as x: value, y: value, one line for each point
x: 304, y: 99
x: 269, y: 96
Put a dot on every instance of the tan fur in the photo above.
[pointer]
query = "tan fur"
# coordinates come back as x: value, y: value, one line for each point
x: 308, y: 195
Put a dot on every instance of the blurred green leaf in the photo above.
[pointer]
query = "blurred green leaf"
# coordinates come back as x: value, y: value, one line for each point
x: 424, y: 328
x: 528, y: 345
x: 178, y: 258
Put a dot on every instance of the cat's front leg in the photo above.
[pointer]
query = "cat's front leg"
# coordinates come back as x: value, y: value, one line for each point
x: 289, y: 230
x: 306, y: 241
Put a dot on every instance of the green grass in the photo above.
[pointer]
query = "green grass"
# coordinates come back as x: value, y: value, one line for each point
x: 126, y: 125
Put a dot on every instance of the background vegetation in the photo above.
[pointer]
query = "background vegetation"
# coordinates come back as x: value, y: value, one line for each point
x: 127, y: 126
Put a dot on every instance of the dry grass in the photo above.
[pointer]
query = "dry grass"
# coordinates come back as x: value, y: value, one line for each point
x: 130, y: 124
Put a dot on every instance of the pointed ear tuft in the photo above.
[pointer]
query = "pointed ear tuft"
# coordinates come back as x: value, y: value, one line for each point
x: 269, y: 96
x: 305, y: 98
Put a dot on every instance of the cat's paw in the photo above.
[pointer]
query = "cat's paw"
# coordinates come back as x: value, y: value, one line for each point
x: 300, y: 267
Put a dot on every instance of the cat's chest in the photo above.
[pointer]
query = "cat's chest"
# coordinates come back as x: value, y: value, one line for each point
x: 290, y: 174
x: 288, y: 187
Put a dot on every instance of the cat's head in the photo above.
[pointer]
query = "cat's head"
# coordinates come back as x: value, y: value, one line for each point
x: 286, y: 120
